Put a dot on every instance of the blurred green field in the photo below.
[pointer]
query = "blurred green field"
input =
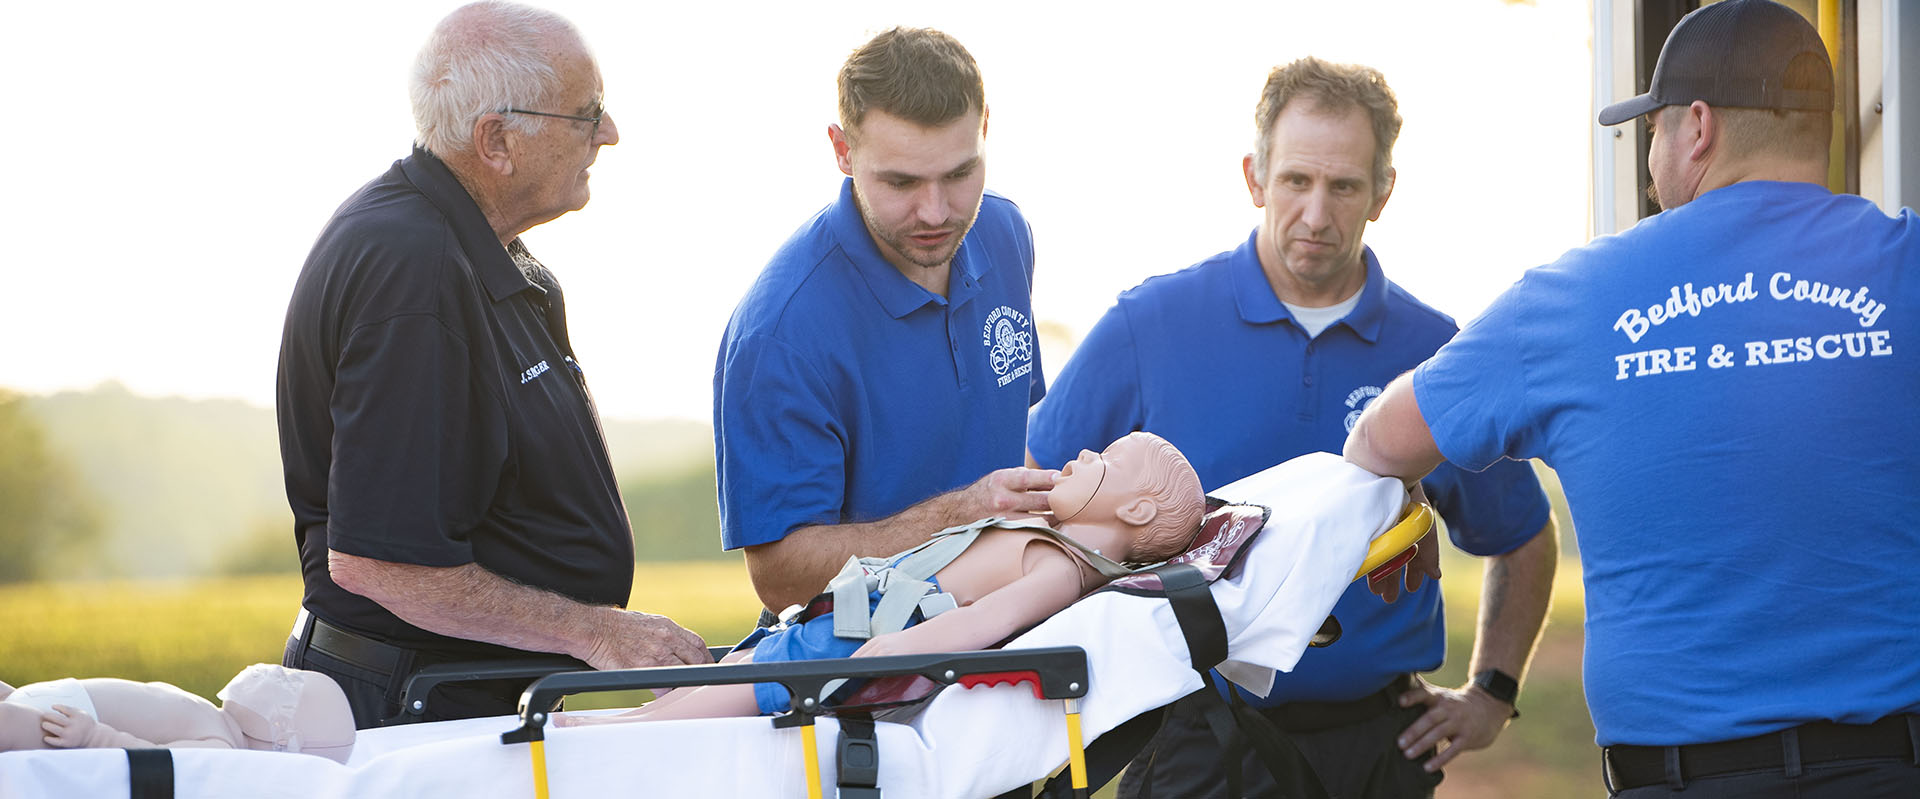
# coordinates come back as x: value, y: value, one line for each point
x: 197, y: 634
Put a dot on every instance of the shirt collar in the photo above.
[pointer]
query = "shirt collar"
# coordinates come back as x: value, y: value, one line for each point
x: 491, y: 263
x: 898, y: 296
x: 1258, y: 305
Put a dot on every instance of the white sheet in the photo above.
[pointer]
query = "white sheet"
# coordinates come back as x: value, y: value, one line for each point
x: 968, y: 743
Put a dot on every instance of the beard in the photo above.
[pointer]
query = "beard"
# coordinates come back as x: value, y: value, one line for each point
x: 896, y: 239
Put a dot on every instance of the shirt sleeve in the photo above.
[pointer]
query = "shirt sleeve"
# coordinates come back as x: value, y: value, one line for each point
x: 780, y: 449
x: 1037, y: 384
x: 418, y: 446
x: 1490, y: 512
x: 1095, y: 399
x: 1472, y: 393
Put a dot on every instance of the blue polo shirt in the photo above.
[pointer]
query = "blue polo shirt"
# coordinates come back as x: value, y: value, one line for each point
x: 1211, y: 360
x: 844, y: 392
x: 1724, y: 392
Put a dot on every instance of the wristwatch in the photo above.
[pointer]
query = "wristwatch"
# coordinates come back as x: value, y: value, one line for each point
x: 1500, y: 685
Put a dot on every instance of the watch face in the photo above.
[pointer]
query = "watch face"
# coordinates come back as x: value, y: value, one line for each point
x: 1498, y: 683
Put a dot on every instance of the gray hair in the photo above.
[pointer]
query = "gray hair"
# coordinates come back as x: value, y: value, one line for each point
x: 483, y: 58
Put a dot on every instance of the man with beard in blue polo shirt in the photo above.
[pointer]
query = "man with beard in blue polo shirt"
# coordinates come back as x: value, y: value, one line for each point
x: 1722, y: 390
x: 1303, y: 324
x: 873, y: 385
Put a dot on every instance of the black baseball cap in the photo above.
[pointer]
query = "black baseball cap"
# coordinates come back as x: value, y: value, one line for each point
x: 1735, y: 54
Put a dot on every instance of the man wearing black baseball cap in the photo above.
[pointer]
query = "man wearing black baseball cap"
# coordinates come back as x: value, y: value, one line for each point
x: 1721, y: 391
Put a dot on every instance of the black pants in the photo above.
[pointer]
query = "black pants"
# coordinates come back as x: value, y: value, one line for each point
x: 375, y: 695
x: 1355, y: 761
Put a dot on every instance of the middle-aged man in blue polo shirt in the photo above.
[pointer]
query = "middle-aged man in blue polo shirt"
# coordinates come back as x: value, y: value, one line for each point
x: 451, y: 492
x: 1305, y: 327
x: 873, y: 384
x: 1722, y: 390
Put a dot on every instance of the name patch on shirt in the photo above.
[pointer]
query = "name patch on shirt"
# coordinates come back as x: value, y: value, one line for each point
x: 1008, y: 339
x: 533, y: 371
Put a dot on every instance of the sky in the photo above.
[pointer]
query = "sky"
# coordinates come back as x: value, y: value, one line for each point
x: 172, y: 163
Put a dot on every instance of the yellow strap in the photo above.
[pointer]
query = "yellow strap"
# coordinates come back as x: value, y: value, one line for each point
x: 1076, y: 754
x: 811, y: 751
x: 539, y: 750
x: 1415, y: 520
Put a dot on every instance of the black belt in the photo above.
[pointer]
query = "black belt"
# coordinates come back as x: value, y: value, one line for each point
x: 357, y: 649
x: 1314, y: 716
x: 1893, y: 737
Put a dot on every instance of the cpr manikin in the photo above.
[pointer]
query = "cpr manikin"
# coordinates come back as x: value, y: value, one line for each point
x: 1139, y: 501
x: 265, y: 707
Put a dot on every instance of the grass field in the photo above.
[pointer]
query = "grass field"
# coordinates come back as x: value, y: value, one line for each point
x: 197, y: 634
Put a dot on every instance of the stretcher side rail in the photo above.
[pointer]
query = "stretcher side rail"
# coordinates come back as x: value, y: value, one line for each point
x: 415, y: 694
x: 1058, y: 672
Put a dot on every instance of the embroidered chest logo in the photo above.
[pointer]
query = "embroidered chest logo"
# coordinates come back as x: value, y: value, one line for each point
x: 1008, y: 339
x: 1357, y: 399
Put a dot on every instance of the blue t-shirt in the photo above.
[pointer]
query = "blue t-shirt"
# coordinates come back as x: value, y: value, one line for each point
x: 1721, y: 390
x: 1210, y: 359
x: 844, y: 392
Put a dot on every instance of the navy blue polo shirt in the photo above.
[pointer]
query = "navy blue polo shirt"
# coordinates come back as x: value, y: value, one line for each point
x: 844, y: 392
x: 1210, y: 359
x: 432, y: 413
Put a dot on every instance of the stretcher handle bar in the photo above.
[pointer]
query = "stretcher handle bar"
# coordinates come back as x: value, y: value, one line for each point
x: 414, y: 695
x: 1060, y: 670
x: 1393, y: 548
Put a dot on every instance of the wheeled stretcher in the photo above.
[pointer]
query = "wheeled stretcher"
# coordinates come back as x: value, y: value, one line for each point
x: 1324, y: 518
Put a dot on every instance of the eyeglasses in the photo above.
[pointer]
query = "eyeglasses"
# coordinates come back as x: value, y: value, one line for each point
x: 599, y: 113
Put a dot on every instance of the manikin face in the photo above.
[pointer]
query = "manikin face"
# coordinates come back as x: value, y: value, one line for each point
x: 551, y: 164
x: 1111, y: 477
x: 1317, y: 197
x: 918, y: 188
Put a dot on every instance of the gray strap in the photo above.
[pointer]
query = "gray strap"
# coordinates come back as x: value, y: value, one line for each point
x: 898, y: 597
x: 849, y: 589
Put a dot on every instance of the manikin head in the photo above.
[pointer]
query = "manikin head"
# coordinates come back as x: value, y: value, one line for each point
x: 290, y: 710
x: 1141, y: 481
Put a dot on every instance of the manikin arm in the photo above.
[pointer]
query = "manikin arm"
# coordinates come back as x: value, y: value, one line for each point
x: 1392, y: 438
x: 475, y: 604
x: 1051, y: 583
x: 792, y: 570
x: 69, y: 728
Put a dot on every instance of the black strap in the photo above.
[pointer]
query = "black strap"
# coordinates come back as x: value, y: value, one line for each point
x: 1199, y: 617
x: 149, y: 774
x: 859, y: 759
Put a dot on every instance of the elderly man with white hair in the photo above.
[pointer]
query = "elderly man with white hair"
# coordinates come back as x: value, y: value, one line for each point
x: 451, y: 491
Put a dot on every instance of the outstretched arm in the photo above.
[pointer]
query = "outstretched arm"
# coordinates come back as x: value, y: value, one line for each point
x: 1051, y: 583
x: 1392, y: 438
x: 475, y: 604
x: 793, y: 569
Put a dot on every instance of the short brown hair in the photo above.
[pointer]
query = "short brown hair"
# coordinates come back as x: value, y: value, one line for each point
x: 917, y: 74
x: 1332, y: 87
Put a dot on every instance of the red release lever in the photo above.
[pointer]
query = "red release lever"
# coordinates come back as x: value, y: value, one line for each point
x: 993, y: 678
